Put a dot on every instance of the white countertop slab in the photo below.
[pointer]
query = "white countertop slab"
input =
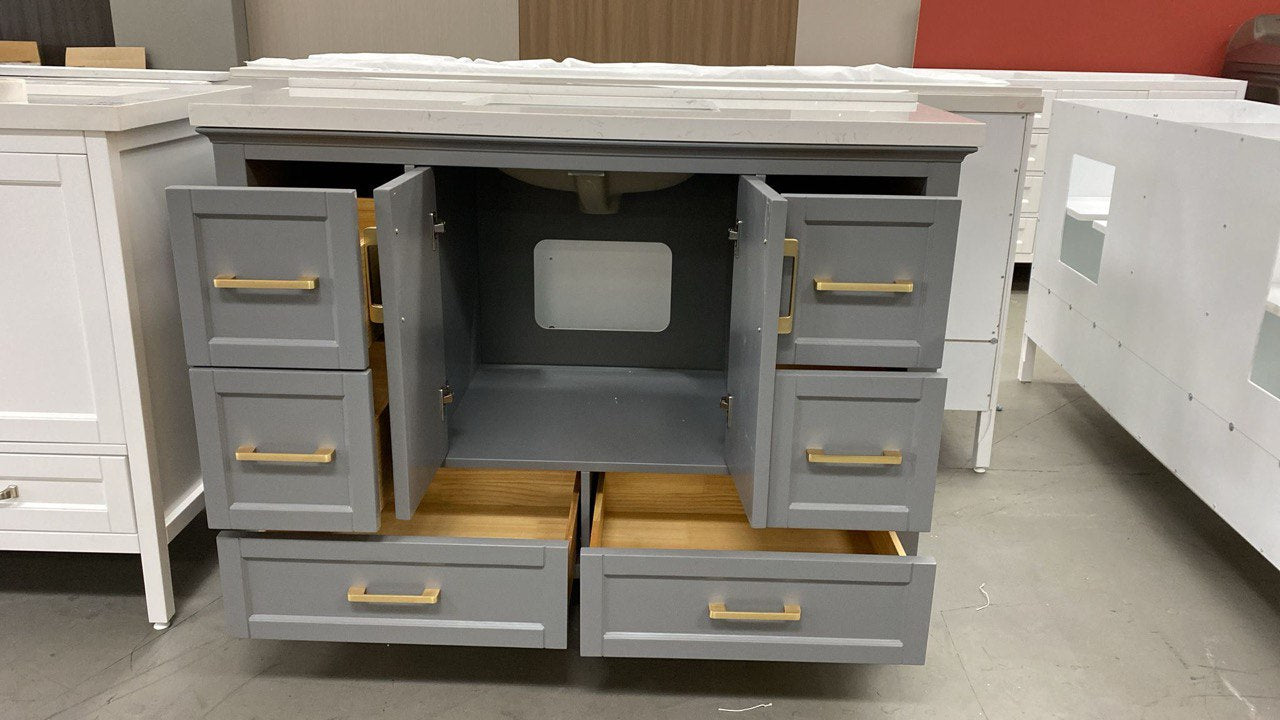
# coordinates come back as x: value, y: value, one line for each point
x: 945, y: 90
x: 1060, y: 80
x: 131, y: 74
x: 868, y: 117
x: 102, y: 105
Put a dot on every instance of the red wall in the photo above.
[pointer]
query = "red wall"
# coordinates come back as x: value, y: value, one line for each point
x: 1187, y: 36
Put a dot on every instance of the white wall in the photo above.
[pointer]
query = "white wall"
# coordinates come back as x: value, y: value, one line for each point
x: 857, y: 32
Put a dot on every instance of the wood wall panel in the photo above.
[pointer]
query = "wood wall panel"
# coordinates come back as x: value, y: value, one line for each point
x: 55, y: 24
x: 297, y: 28
x: 705, y: 32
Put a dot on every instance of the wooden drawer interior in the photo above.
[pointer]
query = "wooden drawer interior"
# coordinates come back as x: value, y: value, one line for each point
x: 489, y: 503
x: 703, y: 512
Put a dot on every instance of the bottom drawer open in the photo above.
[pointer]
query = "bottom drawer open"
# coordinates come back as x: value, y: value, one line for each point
x: 674, y: 570
x: 486, y: 560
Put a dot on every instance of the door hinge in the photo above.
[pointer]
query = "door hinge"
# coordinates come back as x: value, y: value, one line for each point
x: 734, y: 233
x: 726, y: 404
x: 446, y: 398
x: 437, y: 229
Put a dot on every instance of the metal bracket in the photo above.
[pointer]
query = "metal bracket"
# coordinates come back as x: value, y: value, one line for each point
x: 726, y: 404
x: 437, y: 229
x: 446, y: 398
x: 734, y: 233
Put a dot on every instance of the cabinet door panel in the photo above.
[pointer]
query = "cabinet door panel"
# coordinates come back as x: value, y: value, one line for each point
x: 58, y: 378
x: 753, y: 341
x: 414, y: 322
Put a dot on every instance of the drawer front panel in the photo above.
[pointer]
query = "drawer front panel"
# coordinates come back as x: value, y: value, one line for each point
x: 1039, y: 146
x: 323, y: 421
x: 66, y: 493
x: 1031, y: 192
x: 511, y: 593
x: 301, y: 244
x: 1027, y: 234
x: 855, y: 451
x: 852, y: 608
x: 872, y: 280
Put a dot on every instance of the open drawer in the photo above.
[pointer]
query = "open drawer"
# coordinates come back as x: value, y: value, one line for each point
x: 673, y: 570
x: 487, y: 559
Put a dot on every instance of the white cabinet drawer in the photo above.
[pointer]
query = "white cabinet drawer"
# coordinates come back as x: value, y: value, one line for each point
x: 1031, y: 190
x: 1027, y: 234
x: 1035, y: 156
x: 66, y: 493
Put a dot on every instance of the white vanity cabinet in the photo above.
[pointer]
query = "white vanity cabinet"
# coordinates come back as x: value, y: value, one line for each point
x: 97, y: 447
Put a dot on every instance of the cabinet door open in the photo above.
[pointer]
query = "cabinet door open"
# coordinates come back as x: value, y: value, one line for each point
x: 753, y: 341
x: 414, y: 323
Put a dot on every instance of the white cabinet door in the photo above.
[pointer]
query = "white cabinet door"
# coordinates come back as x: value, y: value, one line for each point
x: 57, y: 366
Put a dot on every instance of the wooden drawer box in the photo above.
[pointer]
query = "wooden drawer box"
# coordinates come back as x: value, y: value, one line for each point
x: 855, y: 450
x: 871, y: 281
x: 674, y: 571
x: 436, y: 579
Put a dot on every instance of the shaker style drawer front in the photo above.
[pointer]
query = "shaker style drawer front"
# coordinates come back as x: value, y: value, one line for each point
x: 673, y: 570
x: 1035, y: 156
x: 288, y: 450
x: 269, y: 277
x: 855, y: 450
x: 65, y: 493
x: 805, y: 607
x: 1032, y: 190
x: 419, y: 590
x: 871, y: 280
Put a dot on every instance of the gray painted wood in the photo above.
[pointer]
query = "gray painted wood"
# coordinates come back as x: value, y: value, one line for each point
x: 854, y: 608
x: 409, y: 258
x: 753, y: 332
x: 277, y: 234
x: 292, y: 411
x: 550, y: 417
x: 855, y: 413
x: 871, y: 239
x: 511, y: 593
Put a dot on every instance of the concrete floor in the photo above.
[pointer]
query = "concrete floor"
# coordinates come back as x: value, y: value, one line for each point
x: 1114, y: 594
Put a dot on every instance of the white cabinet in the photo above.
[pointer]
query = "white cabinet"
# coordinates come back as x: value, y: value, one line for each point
x: 58, y: 374
x: 97, y: 442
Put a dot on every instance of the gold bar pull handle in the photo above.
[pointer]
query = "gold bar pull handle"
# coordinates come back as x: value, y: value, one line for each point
x: 231, y: 282
x: 360, y: 594
x: 369, y: 241
x: 717, y: 611
x: 790, y: 249
x: 249, y: 453
x: 897, y: 286
x: 818, y: 456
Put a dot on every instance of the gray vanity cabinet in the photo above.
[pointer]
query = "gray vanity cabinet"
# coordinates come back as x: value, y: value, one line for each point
x: 761, y: 446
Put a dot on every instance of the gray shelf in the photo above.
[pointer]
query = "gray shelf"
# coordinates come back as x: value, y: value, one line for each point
x: 590, y: 418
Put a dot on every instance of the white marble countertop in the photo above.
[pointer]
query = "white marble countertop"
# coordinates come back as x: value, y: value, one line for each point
x: 131, y: 74
x: 993, y: 96
x: 100, y: 105
x: 1060, y: 80
x: 653, y: 113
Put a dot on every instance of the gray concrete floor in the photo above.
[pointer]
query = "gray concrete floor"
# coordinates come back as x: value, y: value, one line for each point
x: 1114, y: 593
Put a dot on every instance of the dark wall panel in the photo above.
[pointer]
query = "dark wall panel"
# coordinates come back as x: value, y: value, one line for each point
x: 56, y: 24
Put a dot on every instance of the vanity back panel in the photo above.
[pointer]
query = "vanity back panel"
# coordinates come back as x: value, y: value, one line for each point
x: 691, y: 218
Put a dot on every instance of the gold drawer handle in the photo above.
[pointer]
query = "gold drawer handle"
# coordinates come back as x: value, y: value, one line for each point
x: 368, y: 241
x: 360, y: 594
x: 790, y: 249
x: 818, y: 456
x: 231, y: 282
x: 897, y: 286
x: 249, y: 453
x: 717, y: 611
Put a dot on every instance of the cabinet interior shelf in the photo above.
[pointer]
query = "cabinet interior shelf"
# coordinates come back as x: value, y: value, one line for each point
x: 552, y: 417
